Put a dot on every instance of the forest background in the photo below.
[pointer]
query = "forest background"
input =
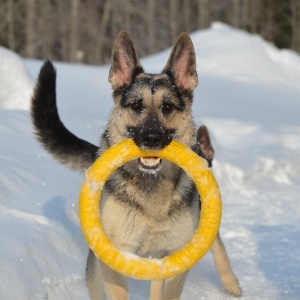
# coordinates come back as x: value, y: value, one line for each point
x: 83, y: 31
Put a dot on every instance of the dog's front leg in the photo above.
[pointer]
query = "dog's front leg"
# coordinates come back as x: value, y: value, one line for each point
x: 174, y: 286
x: 102, y: 280
x: 224, y: 269
x: 94, y: 278
x: 115, y: 284
x: 157, y: 287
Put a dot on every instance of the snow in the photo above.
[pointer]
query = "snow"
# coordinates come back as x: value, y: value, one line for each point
x: 248, y: 96
x: 14, y: 89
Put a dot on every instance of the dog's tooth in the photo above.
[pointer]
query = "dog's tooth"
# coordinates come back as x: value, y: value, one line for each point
x: 150, y: 161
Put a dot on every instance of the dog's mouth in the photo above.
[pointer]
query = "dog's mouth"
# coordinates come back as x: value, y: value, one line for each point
x: 149, y: 164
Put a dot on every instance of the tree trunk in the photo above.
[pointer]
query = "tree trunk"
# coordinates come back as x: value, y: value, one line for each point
x: 127, y: 15
x: 101, y: 34
x: 187, y: 15
x: 255, y: 8
x: 295, y: 9
x: 62, y: 38
x: 46, y: 30
x: 11, y: 25
x: 174, y: 19
x: 269, y: 20
x: 73, y: 30
x: 30, y: 28
x: 236, y: 13
x: 203, y: 13
x: 150, y: 26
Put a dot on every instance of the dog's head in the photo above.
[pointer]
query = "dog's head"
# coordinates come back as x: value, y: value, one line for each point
x: 152, y: 109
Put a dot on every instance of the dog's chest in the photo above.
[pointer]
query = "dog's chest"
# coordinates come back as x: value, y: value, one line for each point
x: 134, y: 231
x: 163, y: 238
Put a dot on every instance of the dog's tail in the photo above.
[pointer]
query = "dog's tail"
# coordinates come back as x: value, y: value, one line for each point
x: 51, y: 132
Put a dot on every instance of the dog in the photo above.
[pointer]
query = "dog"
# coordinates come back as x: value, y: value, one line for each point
x: 149, y: 206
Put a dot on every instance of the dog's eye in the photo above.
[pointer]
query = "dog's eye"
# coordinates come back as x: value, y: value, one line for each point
x: 167, y: 107
x: 136, y: 105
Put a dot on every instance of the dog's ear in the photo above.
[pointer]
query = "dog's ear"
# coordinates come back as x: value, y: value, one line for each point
x: 204, y: 144
x: 125, y: 63
x: 182, y: 63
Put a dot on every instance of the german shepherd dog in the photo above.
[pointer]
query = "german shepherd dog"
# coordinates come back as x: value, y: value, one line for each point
x: 149, y: 206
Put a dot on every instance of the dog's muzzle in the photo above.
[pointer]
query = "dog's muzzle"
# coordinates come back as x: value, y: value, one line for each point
x: 151, y: 137
x: 154, y: 139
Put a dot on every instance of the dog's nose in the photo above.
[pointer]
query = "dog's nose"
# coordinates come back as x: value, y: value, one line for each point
x: 151, y: 135
x: 152, y: 139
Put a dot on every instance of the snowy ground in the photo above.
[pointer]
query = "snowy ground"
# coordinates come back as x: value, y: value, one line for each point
x: 248, y: 96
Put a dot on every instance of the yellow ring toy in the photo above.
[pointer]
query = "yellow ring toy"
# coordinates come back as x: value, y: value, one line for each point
x: 130, y: 264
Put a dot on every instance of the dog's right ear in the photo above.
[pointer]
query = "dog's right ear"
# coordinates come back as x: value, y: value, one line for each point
x: 125, y: 63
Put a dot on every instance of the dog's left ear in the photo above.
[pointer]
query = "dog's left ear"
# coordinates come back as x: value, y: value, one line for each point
x: 204, y: 144
x: 182, y: 63
x: 125, y: 63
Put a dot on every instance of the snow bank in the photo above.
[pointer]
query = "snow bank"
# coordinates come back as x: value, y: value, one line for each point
x: 16, y: 86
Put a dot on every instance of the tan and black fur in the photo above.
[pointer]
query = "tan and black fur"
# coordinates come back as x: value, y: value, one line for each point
x: 149, y: 206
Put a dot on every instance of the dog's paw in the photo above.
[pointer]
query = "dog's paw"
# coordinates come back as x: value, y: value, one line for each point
x: 231, y: 285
